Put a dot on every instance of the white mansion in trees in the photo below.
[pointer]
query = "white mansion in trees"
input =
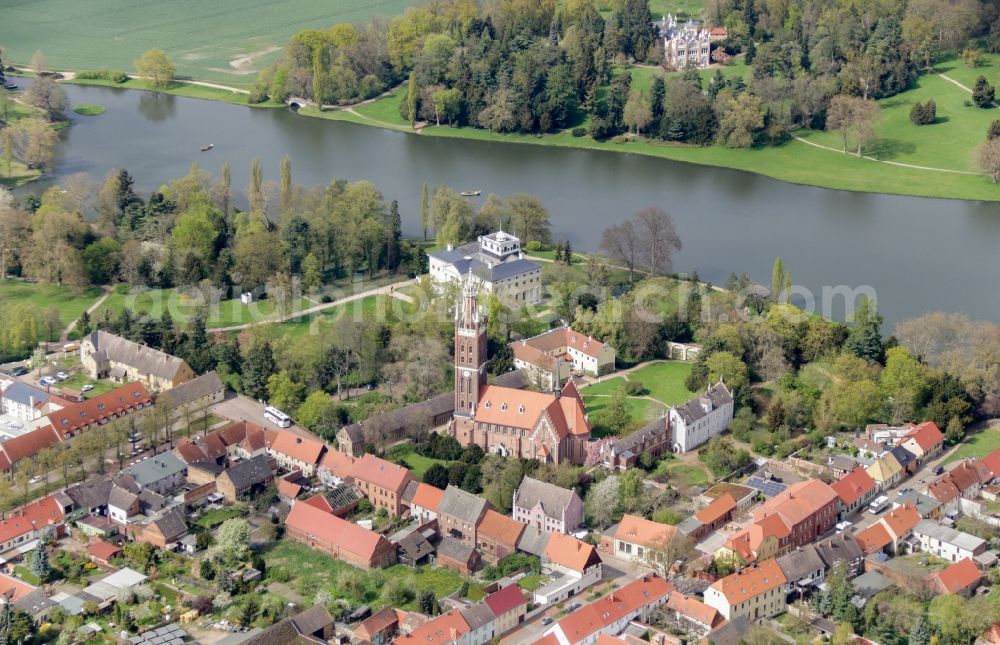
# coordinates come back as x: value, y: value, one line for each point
x: 498, y: 264
x: 701, y: 418
x: 687, y: 45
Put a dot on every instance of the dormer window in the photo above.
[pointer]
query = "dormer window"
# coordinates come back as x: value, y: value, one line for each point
x: 520, y: 409
x: 503, y: 407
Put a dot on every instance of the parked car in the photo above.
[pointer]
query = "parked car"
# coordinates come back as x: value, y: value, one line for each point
x: 62, y: 376
x: 87, y: 387
x: 939, y: 470
x: 47, y: 380
x: 35, y: 479
x: 20, y: 370
x: 10, y: 86
x: 547, y: 620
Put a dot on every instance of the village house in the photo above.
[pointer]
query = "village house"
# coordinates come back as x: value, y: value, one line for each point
x: 547, y: 507
x: 509, y: 606
x: 549, y: 358
x: 890, y: 531
x: 855, y: 490
x: 338, y: 538
x: 802, y: 567
x: 448, y: 628
x: 497, y: 265
x: 552, y: 428
x: 925, y: 441
x: 763, y: 539
x: 382, y: 482
x: 294, y: 452
x: 841, y: 465
x: 653, y: 438
x: 245, y: 479
x: 423, y: 500
x: 947, y: 543
x: 745, y: 496
x: 105, y: 355
x: 497, y: 535
x: 459, y: 513
x: 692, y: 614
x: 198, y: 393
x: 73, y: 419
x: 640, y: 540
x: 960, y: 578
x: 886, y: 471
x: 165, y: 528
x: 808, y: 508
x: 611, y: 614
x: 335, y: 466
x: 710, y: 518
x: 15, y: 450
x: 701, y: 418
x: 927, y: 507
x: 755, y: 592
x: 968, y: 477
x: 32, y: 520
x: 162, y: 473
x: 458, y: 556
x: 573, y: 566
x: 841, y: 548
x: 25, y: 402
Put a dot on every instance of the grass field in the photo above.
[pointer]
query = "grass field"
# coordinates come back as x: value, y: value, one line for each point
x: 16, y: 174
x: 178, y: 88
x: 977, y: 445
x: 225, y: 40
x: 665, y: 381
x: 417, y: 463
x: 68, y: 301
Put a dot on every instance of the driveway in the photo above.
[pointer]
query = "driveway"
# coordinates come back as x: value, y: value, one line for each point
x: 242, y: 408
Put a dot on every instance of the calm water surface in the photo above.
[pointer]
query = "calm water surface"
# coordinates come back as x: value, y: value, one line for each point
x: 918, y: 254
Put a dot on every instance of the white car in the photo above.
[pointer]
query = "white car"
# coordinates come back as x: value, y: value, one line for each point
x: 35, y: 479
x: 62, y: 376
x: 47, y: 380
x: 87, y: 388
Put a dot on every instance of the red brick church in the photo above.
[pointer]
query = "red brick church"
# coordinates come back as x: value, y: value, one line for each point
x: 533, y: 425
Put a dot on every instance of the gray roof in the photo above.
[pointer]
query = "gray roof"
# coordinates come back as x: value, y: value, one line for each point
x: 171, y: 523
x: 485, y: 266
x: 800, y: 563
x: 195, y: 389
x: 410, y: 491
x: 343, y: 495
x: 415, y: 546
x: 842, y: 462
x: 634, y: 442
x: 452, y: 548
x: 554, y: 499
x: 149, y: 471
x: 252, y: 471
x: 34, y: 603
x: 903, y: 456
x: 121, y: 498
x: 415, y: 414
x: 92, y: 493
x: 690, y: 525
x: 24, y: 394
x: 839, y: 548
x: 870, y: 583
x: 949, y: 535
x: 716, y: 396
x: 462, y: 504
x: 312, y: 620
x: 925, y: 504
x: 145, y: 360
x: 731, y: 632
x: 533, y: 540
x: 477, y: 615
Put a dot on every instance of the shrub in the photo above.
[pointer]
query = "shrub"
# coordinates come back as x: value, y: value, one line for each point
x: 103, y: 75
x: 257, y: 95
x: 923, y: 113
x: 982, y: 93
x: 994, y: 130
x: 534, y: 245
x: 634, y: 388
x: 579, y: 132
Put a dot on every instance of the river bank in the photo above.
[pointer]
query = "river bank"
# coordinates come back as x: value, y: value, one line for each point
x: 805, y: 159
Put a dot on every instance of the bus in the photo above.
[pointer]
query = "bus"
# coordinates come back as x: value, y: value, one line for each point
x: 277, y: 417
x: 878, y: 504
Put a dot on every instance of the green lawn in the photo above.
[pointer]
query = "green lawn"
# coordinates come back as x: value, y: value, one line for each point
x: 217, y: 516
x: 68, y: 301
x: 642, y: 75
x: 385, y: 109
x: 362, y: 309
x: 958, y: 70
x: 312, y: 571
x: 89, y: 109
x: 690, y: 8
x: 685, y: 475
x: 530, y: 583
x: 210, y: 40
x: 977, y: 445
x: 641, y: 410
x: 665, y: 381
x: 16, y: 174
x: 80, y: 378
x: 182, y: 306
x: 417, y: 463
x: 177, y: 88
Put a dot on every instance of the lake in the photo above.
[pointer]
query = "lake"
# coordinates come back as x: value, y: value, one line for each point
x: 916, y: 254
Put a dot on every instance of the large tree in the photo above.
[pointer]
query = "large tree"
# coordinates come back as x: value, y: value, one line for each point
x: 853, y: 117
x: 157, y: 67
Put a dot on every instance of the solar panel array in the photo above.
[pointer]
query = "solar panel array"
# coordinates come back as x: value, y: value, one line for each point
x: 766, y: 486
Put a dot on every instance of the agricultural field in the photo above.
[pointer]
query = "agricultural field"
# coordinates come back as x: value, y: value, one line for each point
x: 224, y: 40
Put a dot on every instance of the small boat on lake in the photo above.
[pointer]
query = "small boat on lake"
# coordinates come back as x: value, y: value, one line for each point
x: 471, y: 193
x: 208, y: 147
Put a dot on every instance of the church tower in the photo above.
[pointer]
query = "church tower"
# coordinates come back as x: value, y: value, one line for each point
x: 470, y: 350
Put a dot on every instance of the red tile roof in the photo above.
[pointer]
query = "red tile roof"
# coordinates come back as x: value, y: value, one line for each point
x: 288, y: 489
x: 100, y: 409
x: 444, y: 629
x: 570, y: 552
x: 505, y: 600
x: 27, y: 445
x: 694, y: 609
x: 103, y: 551
x: 44, y: 512
x: 500, y: 528
x: 338, y: 463
x: 348, y: 536
x: 874, y: 538
x: 319, y: 501
x: 638, y: 530
x: 298, y: 448
x: 751, y: 582
x: 992, y: 461
x: 381, y: 473
x: 507, y: 406
x: 13, y: 588
x: 717, y: 510
x: 611, y: 608
x: 427, y: 496
x: 901, y: 521
x: 926, y: 435
x: 943, y: 490
x: 854, y: 486
x: 961, y: 576
x: 798, y: 502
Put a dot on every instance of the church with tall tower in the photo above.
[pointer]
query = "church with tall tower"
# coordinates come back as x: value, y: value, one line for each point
x: 550, y: 427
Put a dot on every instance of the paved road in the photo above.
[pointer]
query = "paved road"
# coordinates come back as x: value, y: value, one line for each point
x: 239, y: 408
